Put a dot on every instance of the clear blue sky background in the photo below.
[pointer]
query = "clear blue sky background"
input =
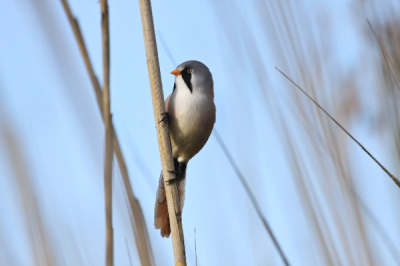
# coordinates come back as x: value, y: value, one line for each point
x: 47, y: 103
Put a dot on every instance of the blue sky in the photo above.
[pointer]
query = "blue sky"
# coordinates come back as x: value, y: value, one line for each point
x: 47, y: 104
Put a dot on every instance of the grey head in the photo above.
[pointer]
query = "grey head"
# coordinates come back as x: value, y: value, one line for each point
x: 197, y: 77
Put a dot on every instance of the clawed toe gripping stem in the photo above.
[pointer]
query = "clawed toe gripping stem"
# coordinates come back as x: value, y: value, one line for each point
x: 165, y: 117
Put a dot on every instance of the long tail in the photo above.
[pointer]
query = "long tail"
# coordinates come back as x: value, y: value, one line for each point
x: 161, y: 218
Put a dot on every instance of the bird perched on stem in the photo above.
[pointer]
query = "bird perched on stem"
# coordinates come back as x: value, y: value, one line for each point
x: 191, y: 117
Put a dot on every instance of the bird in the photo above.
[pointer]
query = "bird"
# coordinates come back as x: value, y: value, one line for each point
x: 190, y: 113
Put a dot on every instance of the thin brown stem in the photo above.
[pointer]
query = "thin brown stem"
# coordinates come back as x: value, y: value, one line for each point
x: 138, y: 225
x: 164, y: 143
x: 395, y: 180
x: 108, y: 157
x: 84, y: 53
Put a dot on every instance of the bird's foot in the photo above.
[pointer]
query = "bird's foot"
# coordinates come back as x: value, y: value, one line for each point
x: 179, y: 172
x: 178, y: 177
x: 165, y: 117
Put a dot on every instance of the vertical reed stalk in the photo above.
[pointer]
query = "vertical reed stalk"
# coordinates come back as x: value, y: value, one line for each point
x: 162, y: 131
x: 108, y: 157
x: 138, y: 225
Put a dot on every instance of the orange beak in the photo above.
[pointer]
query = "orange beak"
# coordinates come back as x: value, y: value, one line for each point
x: 175, y: 72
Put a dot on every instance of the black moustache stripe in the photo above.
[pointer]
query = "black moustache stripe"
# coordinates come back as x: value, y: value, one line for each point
x: 186, y: 77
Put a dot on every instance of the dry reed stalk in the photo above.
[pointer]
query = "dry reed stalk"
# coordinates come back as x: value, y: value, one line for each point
x: 292, y: 33
x: 283, y: 20
x: 108, y: 156
x: 162, y: 132
x: 84, y: 53
x: 293, y: 49
x: 311, y: 78
x: 395, y: 180
x: 250, y: 195
x: 40, y: 241
x: 333, y: 186
x: 138, y: 225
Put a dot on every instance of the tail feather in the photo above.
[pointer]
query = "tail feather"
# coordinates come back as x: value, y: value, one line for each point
x: 161, y: 216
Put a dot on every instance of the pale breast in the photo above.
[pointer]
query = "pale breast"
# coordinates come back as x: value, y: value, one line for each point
x: 192, y: 116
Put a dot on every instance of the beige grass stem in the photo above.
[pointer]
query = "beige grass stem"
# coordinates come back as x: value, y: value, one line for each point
x: 162, y: 131
x: 395, y: 180
x: 108, y: 155
x: 138, y: 225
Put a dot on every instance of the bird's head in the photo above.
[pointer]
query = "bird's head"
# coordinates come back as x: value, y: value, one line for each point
x: 196, y: 76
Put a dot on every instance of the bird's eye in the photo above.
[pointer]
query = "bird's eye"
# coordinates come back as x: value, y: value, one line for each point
x: 189, y: 70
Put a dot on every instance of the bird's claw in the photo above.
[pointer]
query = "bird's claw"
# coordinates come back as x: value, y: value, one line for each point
x: 165, y: 117
x: 172, y: 181
x: 178, y: 177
